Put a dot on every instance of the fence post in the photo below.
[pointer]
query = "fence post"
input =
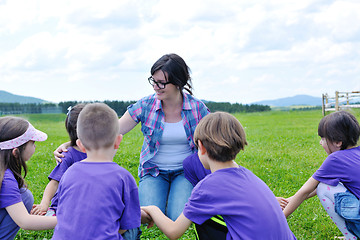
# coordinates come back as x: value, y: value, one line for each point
x: 336, y: 101
x: 323, y: 104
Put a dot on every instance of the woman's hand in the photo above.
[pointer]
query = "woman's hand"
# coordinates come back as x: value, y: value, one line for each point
x: 62, y: 148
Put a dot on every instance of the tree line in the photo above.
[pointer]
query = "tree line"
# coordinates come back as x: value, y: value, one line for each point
x: 236, y: 107
x: 120, y: 107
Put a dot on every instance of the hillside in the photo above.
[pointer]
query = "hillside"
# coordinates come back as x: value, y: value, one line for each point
x: 6, y: 97
x: 303, y: 100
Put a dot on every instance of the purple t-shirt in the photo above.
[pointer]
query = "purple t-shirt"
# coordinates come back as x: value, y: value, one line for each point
x: 96, y: 200
x: 10, y: 192
x: 249, y: 208
x: 193, y: 169
x: 341, y: 166
x: 70, y: 157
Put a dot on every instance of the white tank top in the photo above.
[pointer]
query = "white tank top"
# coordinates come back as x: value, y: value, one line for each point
x: 174, y: 147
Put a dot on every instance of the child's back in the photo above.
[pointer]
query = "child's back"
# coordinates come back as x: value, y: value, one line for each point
x: 96, y: 196
x: 246, y: 203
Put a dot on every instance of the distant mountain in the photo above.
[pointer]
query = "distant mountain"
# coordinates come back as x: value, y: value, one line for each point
x: 302, y: 100
x: 6, y: 97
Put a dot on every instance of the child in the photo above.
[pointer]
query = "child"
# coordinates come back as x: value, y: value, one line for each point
x: 247, y: 205
x: 337, y: 180
x: 214, y: 228
x: 98, y: 199
x: 17, y: 145
x: 73, y: 155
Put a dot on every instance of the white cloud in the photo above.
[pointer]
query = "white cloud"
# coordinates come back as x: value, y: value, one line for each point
x: 239, y: 51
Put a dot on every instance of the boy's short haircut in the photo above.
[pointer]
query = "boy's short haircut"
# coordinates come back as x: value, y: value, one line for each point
x: 340, y: 126
x: 97, y: 126
x: 222, y: 135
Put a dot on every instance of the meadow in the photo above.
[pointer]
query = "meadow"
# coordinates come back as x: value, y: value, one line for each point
x: 283, y: 150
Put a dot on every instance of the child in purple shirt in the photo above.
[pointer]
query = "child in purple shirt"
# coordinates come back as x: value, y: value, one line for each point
x: 98, y: 199
x: 73, y: 155
x: 337, y: 181
x: 17, y: 145
x: 247, y: 205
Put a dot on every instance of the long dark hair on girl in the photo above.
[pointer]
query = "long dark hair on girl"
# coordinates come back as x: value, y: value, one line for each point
x: 10, y: 128
x: 71, y: 122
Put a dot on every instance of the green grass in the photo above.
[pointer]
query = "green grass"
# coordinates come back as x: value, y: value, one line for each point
x: 283, y: 150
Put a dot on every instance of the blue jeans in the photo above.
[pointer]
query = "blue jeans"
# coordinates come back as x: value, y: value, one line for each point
x: 348, y: 206
x: 8, y: 228
x: 170, y: 190
x: 132, y: 234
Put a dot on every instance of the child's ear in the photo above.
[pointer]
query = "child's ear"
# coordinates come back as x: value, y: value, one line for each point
x: 15, y: 152
x: 80, y: 145
x: 338, y: 144
x: 201, y: 148
x: 118, y: 141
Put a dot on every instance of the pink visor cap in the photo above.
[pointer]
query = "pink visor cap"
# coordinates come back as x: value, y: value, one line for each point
x: 31, y: 134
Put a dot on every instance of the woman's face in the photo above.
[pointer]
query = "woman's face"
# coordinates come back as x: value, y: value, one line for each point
x: 168, y: 92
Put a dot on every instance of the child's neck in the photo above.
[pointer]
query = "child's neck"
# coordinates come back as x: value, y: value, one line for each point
x: 100, y: 155
x: 215, y: 165
x: 77, y: 148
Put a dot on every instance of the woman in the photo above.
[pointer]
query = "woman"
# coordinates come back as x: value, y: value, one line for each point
x: 168, y: 121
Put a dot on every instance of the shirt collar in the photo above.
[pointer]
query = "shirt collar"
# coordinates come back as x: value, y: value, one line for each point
x: 186, y: 102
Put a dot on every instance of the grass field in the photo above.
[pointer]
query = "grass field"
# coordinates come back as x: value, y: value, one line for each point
x: 283, y: 150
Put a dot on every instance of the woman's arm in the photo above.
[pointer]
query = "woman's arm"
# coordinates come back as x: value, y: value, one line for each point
x: 171, y: 229
x: 49, y: 193
x: 24, y: 220
x: 305, y: 192
x: 126, y: 123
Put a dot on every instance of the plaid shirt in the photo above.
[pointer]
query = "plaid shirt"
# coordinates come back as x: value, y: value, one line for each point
x: 149, y: 112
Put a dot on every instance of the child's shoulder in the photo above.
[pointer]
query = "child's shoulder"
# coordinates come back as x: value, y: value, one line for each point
x: 73, y: 155
x: 227, y: 175
x: 9, y: 175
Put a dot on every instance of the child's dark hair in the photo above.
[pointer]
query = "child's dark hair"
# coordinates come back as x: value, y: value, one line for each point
x: 177, y: 72
x: 71, y: 122
x: 222, y: 135
x: 10, y: 128
x: 340, y: 126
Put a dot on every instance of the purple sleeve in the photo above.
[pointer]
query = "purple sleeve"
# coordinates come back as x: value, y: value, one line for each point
x: 131, y: 217
x: 198, y: 209
x: 193, y: 169
x: 330, y: 171
x: 10, y: 192
x: 70, y: 157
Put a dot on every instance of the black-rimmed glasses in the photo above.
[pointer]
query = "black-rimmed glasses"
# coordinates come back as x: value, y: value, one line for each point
x: 158, y: 84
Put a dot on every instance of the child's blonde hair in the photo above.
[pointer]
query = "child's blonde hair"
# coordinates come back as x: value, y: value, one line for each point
x: 222, y: 135
x: 97, y: 126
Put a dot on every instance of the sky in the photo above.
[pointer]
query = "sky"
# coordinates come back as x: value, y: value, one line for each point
x: 239, y: 51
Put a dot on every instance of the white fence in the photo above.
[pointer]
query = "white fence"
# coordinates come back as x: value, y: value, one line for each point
x: 341, y: 101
